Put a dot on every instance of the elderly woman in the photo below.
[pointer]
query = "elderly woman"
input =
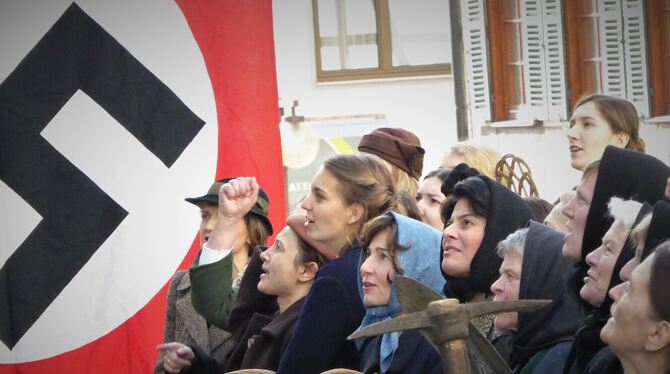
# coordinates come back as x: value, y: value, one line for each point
x: 639, y: 329
x: 533, y: 268
x: 652, y: 230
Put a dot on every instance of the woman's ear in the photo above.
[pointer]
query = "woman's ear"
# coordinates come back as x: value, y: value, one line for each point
x: 622, y: 139
x: 659, y: 338
x: 355, y: 213
x: 308, y: 272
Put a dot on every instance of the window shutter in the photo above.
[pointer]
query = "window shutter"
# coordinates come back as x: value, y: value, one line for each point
x: 533, y: 55
x: 635, y: 54
x: 557, y: 103
x: 544, y: 65
x: 611, y: 34
x: 476, y: 58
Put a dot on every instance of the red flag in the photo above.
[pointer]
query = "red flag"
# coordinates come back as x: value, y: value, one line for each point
x: 236, y: 41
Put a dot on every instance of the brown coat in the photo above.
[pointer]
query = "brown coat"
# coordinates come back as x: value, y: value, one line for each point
x: 184, y: 325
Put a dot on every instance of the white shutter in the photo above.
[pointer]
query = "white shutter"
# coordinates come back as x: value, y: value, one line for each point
x: 611, y: 48
x: 557, y: 104
x: 533, y: 56
x: 476, y: 60
x: 544, y: 62
x: 635, y: 45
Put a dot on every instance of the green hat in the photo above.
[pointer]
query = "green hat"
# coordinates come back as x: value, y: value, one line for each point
x: 261, y: 209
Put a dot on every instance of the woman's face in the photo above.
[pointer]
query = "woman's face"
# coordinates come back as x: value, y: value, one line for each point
x: 208, y: 214
x: 280, y: 273
x: 631, y: 322
x: 429, y: 199
x: 577, y: 209
x: 589, y: 134
x: 376, y: 271
x: 506, y: 288
x: 461, y: 239
x: 601, y: 264
x: 329, y: 219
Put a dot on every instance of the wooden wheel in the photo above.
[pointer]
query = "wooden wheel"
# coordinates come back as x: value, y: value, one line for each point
x: 514, y: 173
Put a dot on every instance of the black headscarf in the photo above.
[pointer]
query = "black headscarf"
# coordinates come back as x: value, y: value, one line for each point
x: 659, y: 227
x: 543, y: 276
x: 507, y: 213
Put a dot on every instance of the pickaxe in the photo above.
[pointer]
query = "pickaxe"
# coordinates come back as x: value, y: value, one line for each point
x: 446, y: 324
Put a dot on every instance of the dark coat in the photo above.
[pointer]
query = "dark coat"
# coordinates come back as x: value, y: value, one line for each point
x: 266, y: 339
x: 332, y: 311
x: 605, y: 361
x: 549, y: 361
x: 414, y: 355
x: 184, y: 325
x: 260, y: 347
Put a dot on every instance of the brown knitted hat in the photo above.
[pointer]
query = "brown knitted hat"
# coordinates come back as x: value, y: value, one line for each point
x: 397, y: 146
x: 296, y: 222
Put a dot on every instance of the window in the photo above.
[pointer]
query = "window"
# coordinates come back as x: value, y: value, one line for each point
x: 524, y: 41
x: 533, y: 59
x: 658, y: 31
x: 607, y: 50
x: 357, y: 39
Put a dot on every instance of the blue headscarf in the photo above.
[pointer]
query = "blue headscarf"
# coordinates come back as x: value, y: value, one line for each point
x: 418, y: 262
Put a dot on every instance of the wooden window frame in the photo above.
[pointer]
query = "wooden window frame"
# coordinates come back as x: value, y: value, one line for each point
x: 658, y: 69
x: 500, y: 77
x: 384, y: 50
x: 577, y: 87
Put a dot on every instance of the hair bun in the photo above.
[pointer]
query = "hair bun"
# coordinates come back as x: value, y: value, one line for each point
x: 460, y: 172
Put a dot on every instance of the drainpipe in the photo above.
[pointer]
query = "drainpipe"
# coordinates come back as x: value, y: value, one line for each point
x: 458, y: 70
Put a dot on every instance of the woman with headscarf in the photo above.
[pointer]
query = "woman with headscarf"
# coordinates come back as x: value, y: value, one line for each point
x: 396, y: 245
x: 534, y: 268
x: 479, y: 213
x: 646, y: 236
x: 623, y: 173
x: 639, y: 329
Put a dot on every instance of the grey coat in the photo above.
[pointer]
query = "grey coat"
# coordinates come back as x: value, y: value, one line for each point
x: 184, y: 325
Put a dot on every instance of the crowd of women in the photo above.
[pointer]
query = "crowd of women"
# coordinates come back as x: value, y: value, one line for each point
x: 600, y: 252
